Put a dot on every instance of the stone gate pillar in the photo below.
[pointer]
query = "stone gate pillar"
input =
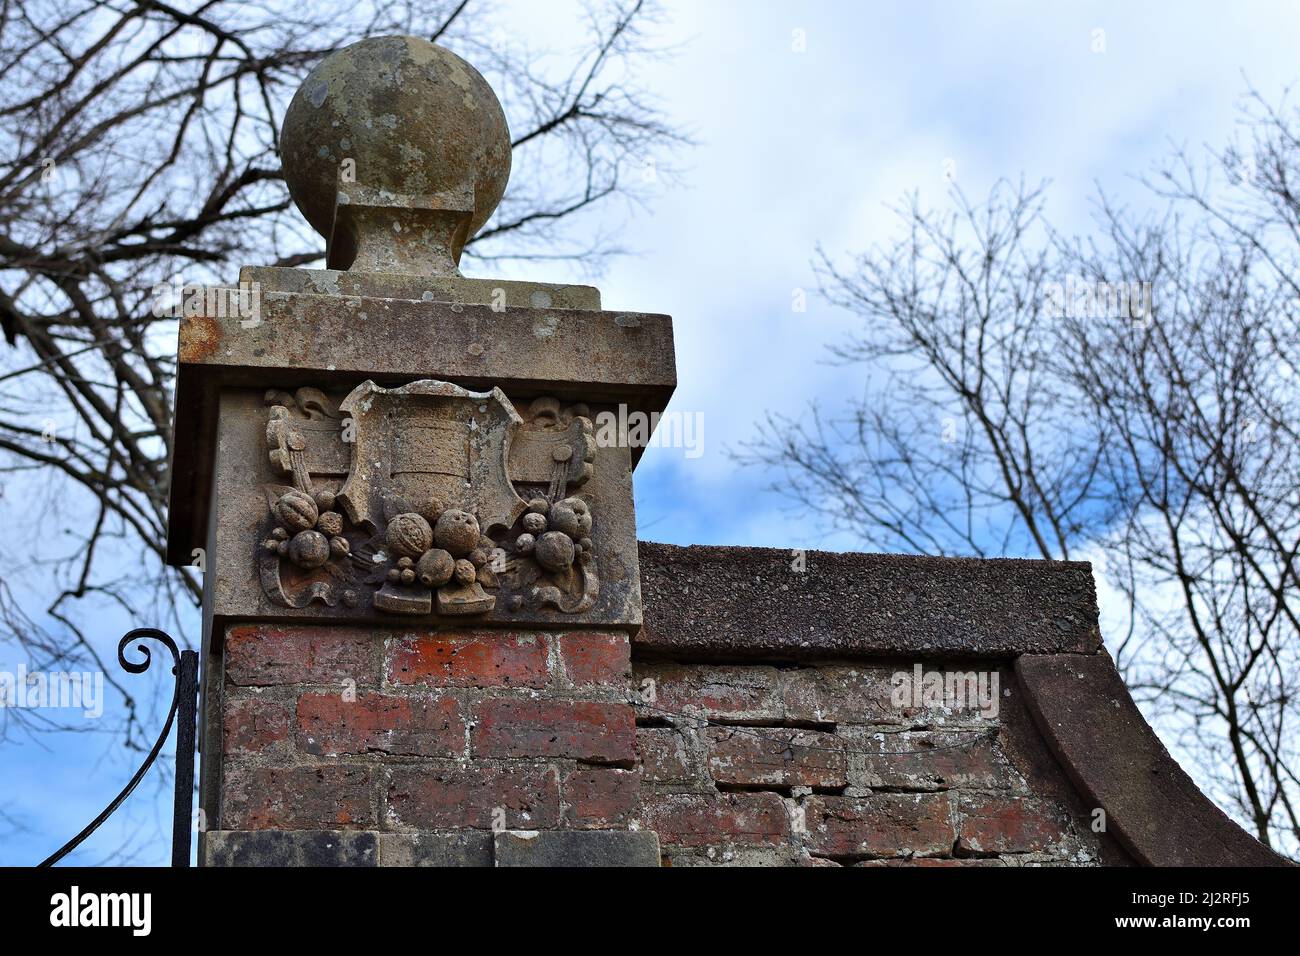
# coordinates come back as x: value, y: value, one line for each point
x: 412, y: 496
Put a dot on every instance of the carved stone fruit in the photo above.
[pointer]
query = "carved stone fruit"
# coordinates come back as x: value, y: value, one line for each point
x: 339, y: 546
x: 538, y: 506
x: 466, y: 573
x: 525, y: 543
x: 457, y: 533
x: 534, y: 523
x: 431, y: 508
x: 324, y: 500
x: 564, y: 519
x: 583, y: 512
x: 296, y: 511
x: 409, y: 535
x: 554, y: 551
x: 330, y: 523
x: 435, y: 568
x: 309, y: 549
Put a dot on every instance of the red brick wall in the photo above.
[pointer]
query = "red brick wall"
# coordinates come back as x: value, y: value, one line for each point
x: 345, y: 728
x: 815, y: 766
x: 326, y: 728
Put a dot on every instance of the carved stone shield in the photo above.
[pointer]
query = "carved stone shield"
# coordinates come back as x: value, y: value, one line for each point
x: 430, y: 445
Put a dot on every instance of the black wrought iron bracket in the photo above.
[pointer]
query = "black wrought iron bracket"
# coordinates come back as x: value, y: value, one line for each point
x: 185, y: 668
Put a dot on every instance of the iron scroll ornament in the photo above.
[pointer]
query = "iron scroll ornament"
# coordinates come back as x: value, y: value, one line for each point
x: 185, y: 668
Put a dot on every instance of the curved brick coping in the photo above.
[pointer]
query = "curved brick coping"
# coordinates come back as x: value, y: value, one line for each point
x: 1085, y: 713
x: 736, y: 603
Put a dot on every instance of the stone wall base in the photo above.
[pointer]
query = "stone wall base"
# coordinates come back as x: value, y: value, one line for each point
x: 453, y: 848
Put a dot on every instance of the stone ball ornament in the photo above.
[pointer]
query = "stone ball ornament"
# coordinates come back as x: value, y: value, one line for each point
x: 412, y: 125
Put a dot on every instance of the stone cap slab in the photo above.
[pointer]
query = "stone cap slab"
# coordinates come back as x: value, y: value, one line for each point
x: 511, y: 294
x: 735, y: 603
x: 573, y: 353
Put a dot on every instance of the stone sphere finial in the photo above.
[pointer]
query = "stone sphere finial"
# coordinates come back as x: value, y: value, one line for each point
x: 397, y: 152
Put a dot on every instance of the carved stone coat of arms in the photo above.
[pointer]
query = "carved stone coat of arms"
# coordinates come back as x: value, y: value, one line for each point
x: 428, y: 499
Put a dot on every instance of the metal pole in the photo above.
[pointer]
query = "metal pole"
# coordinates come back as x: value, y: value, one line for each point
x: 187, y: 718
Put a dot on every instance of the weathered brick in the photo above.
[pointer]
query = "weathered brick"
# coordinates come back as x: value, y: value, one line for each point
x: 262, y: 655
x: 880, y: 825
x: 994, y: 823
x: 740, y: 692
x: 924, y: 760
x: 575, y: 849
x: 933, y: 861
x: 840, y: 694
x: 776, y: 757
x: 599, y: 796
x: 665, y: 755
x: 331, y: 726
x: 250, y: 725
x: 689, y: 819
x: 432, y: 798
x: 583, y: 730
x: 297, y: 798
x: 727, y: 853
x: 476, y: 659
x: 596, y: 658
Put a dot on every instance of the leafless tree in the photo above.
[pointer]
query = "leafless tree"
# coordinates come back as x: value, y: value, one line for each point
x: 1131, y: 396
x: 138, y: 144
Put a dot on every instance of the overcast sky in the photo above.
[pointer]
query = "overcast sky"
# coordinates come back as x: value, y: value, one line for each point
x: 801, y: 148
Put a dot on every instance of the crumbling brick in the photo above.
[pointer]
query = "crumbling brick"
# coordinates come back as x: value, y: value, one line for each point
x: 583, y: 730
x: 880, y: 825
x: 474, y: 659
x: 330, y: 725
x: 262, y: 655
x: 482, y: 797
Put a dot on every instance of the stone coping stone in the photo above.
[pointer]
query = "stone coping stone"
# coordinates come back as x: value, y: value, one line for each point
x: 723, y: 603
x: 1114, y: 758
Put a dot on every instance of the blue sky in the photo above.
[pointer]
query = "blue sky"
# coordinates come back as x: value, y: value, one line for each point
x: 797, y: 149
